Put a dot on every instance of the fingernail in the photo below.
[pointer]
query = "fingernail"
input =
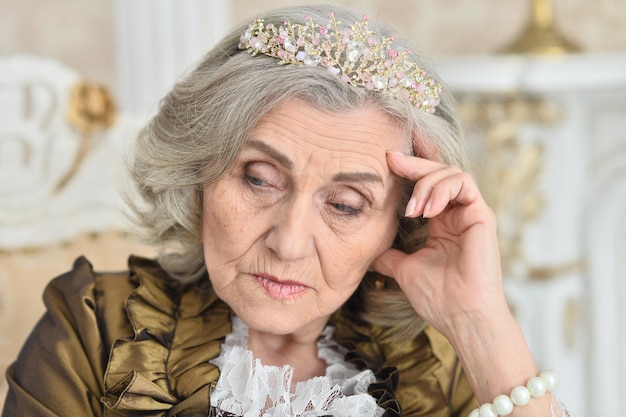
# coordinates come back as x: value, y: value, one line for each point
x: 396, y: 153
x: 427, y: 209
x: 410, y: 207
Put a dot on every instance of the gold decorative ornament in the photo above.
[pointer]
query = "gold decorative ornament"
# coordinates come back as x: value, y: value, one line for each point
x: 90, y: 109
x: 507, y: 169
x: 548, y: 273
x: 540, y: 37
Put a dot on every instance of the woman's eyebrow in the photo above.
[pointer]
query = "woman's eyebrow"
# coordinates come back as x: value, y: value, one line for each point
x: 357, y: 177
x: 274, y: 153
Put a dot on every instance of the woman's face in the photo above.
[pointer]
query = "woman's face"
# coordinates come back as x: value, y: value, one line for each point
x: 309, y: 203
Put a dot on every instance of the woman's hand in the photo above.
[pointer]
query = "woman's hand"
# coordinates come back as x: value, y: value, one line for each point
x: 456, y: 277
x: 455, y: 281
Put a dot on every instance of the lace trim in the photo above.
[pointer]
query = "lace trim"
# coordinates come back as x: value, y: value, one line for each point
x: 558, y: 409
x: 248, y: 388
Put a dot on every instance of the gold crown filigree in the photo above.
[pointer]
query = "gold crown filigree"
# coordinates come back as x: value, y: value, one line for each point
x: 356, y: 54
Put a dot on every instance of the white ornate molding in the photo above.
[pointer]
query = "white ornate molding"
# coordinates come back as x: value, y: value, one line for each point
x: 37, y: 150
x: 497, y: 74
x: 606, y: 245
x: 573, y: 317
x: 157, y: 40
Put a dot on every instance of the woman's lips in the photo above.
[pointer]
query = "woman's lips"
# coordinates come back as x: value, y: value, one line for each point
x: 280, y: 289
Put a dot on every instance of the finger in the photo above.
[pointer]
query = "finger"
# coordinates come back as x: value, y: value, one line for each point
x: 429, y: 174
x: 411, y: 167
x: 423, y: 190
x: 458, y: 189
x: 414, y: 169
x: 387, y: 263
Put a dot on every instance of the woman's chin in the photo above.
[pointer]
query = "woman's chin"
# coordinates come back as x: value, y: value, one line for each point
x: 279, y: 323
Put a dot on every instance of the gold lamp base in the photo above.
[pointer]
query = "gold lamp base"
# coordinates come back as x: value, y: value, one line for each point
x: 540, y: 37
x: 541, y: 41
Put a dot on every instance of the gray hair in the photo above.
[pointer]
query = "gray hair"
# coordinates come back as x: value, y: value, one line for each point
x: 204, y: 121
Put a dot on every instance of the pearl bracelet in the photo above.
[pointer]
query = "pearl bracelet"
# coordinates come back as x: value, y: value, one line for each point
x: 520, y: 395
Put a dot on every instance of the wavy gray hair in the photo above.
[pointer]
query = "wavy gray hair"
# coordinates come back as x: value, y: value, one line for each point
x: 204, y: 121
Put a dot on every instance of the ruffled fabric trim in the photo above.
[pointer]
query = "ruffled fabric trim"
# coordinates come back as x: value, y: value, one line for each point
x: 248, y: 388
x: 162, y: 366
x: 387, y: 381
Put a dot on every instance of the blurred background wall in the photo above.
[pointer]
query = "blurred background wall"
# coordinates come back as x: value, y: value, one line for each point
x: 137, y: 48
x: 81, y: 32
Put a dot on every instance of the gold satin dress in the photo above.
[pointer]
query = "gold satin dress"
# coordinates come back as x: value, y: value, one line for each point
x: 137, y: 343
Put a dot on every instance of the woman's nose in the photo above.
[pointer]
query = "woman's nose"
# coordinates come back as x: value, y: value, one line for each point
x: 291, y: 236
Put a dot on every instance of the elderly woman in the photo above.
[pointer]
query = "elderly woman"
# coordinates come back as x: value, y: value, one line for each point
x: 323, y: 251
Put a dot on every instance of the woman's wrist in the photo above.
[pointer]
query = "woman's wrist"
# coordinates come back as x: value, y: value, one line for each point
x: 494, y: 353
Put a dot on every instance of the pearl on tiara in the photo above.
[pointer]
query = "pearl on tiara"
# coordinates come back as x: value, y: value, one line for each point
x: 355, y: 54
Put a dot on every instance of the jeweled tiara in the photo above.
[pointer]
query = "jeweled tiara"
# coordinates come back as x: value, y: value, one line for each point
x: 356, y: 54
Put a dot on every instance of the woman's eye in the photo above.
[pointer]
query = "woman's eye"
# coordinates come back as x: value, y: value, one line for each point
x: 346, y: 209
x: 347, y: 201
x: 259, y: 182
x: 262, y: 175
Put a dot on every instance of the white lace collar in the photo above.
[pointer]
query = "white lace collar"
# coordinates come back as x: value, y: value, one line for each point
x: 248, y: 388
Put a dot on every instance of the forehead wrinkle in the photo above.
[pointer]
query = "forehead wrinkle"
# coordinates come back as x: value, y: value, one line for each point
x: 362, y: 167
x: 346, y: 141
